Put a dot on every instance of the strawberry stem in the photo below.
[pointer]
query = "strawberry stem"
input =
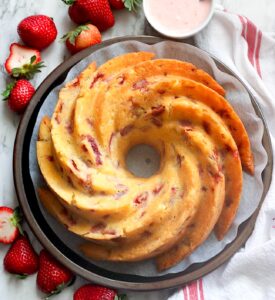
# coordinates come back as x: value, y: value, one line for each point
x: 16, y: 219
x: 69, y: 2
x: 60, y: 288
x: 121, y: 297
x: 132, y: 5
x: 73, y: 34
x: 8, y: 90
x: 21, y: 276
x: 28, y: 70
x: 71, y: 282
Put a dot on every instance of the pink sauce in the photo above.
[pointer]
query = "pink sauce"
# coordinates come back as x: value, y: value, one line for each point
x: 177, y: 17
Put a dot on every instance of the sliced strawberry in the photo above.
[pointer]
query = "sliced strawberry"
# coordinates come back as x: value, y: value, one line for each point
x: 23, y: 61
x: 9, y: 224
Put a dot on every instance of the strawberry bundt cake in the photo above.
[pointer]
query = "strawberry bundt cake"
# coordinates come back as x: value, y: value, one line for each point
x: 170, y: 105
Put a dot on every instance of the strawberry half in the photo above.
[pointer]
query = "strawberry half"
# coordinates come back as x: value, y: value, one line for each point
x: 21, y: 258
x: 82, y: 37
x: 23, y: 61
x: 9, y: 224
x: 18, y: 94
x: 52, y: 276
x: 97, y: 292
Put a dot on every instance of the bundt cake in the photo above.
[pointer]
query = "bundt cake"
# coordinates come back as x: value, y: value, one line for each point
x: 170, y: 105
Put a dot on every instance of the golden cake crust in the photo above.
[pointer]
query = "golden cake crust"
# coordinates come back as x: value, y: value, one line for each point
x: 168, y: 104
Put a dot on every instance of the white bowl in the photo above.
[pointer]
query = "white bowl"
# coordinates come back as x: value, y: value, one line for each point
x: 168, y: 33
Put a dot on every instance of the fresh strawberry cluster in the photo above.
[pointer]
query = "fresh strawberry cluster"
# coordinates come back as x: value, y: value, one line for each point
x: 93, y: 16
x: 98, y: 12
x: 52, y: 277
x: 39, y: 31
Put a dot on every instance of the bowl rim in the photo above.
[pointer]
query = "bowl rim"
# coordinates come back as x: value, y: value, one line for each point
x: 185, y: 34
x: 155, y: 283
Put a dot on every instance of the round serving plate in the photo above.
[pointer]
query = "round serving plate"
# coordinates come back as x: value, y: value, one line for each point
x: 48, y: 237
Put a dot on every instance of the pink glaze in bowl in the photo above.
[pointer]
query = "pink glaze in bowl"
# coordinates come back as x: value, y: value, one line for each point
x: 178, y: 18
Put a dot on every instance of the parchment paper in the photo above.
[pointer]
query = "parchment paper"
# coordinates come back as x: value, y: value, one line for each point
x: 236, y: 95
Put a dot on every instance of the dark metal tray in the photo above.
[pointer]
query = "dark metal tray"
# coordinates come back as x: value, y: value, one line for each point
x: 83, y: 267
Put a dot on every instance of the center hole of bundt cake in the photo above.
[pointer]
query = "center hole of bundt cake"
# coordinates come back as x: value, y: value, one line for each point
x: 143, y: 160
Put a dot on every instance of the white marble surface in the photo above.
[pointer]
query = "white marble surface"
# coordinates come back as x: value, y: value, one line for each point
x: 11, y: 12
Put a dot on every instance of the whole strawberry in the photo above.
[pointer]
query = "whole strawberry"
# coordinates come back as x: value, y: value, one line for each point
x: 78, y: 10
x: 82, y: 37
x: 98, y: 12
x: 19, y: 94
x: 96, y: 292
x: 9, y: 224
x: 21, y: 258
x: 52, y: 276
x: 37, y: 31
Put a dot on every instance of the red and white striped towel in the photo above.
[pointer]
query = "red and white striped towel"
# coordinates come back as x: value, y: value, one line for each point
x: 250, y: 274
